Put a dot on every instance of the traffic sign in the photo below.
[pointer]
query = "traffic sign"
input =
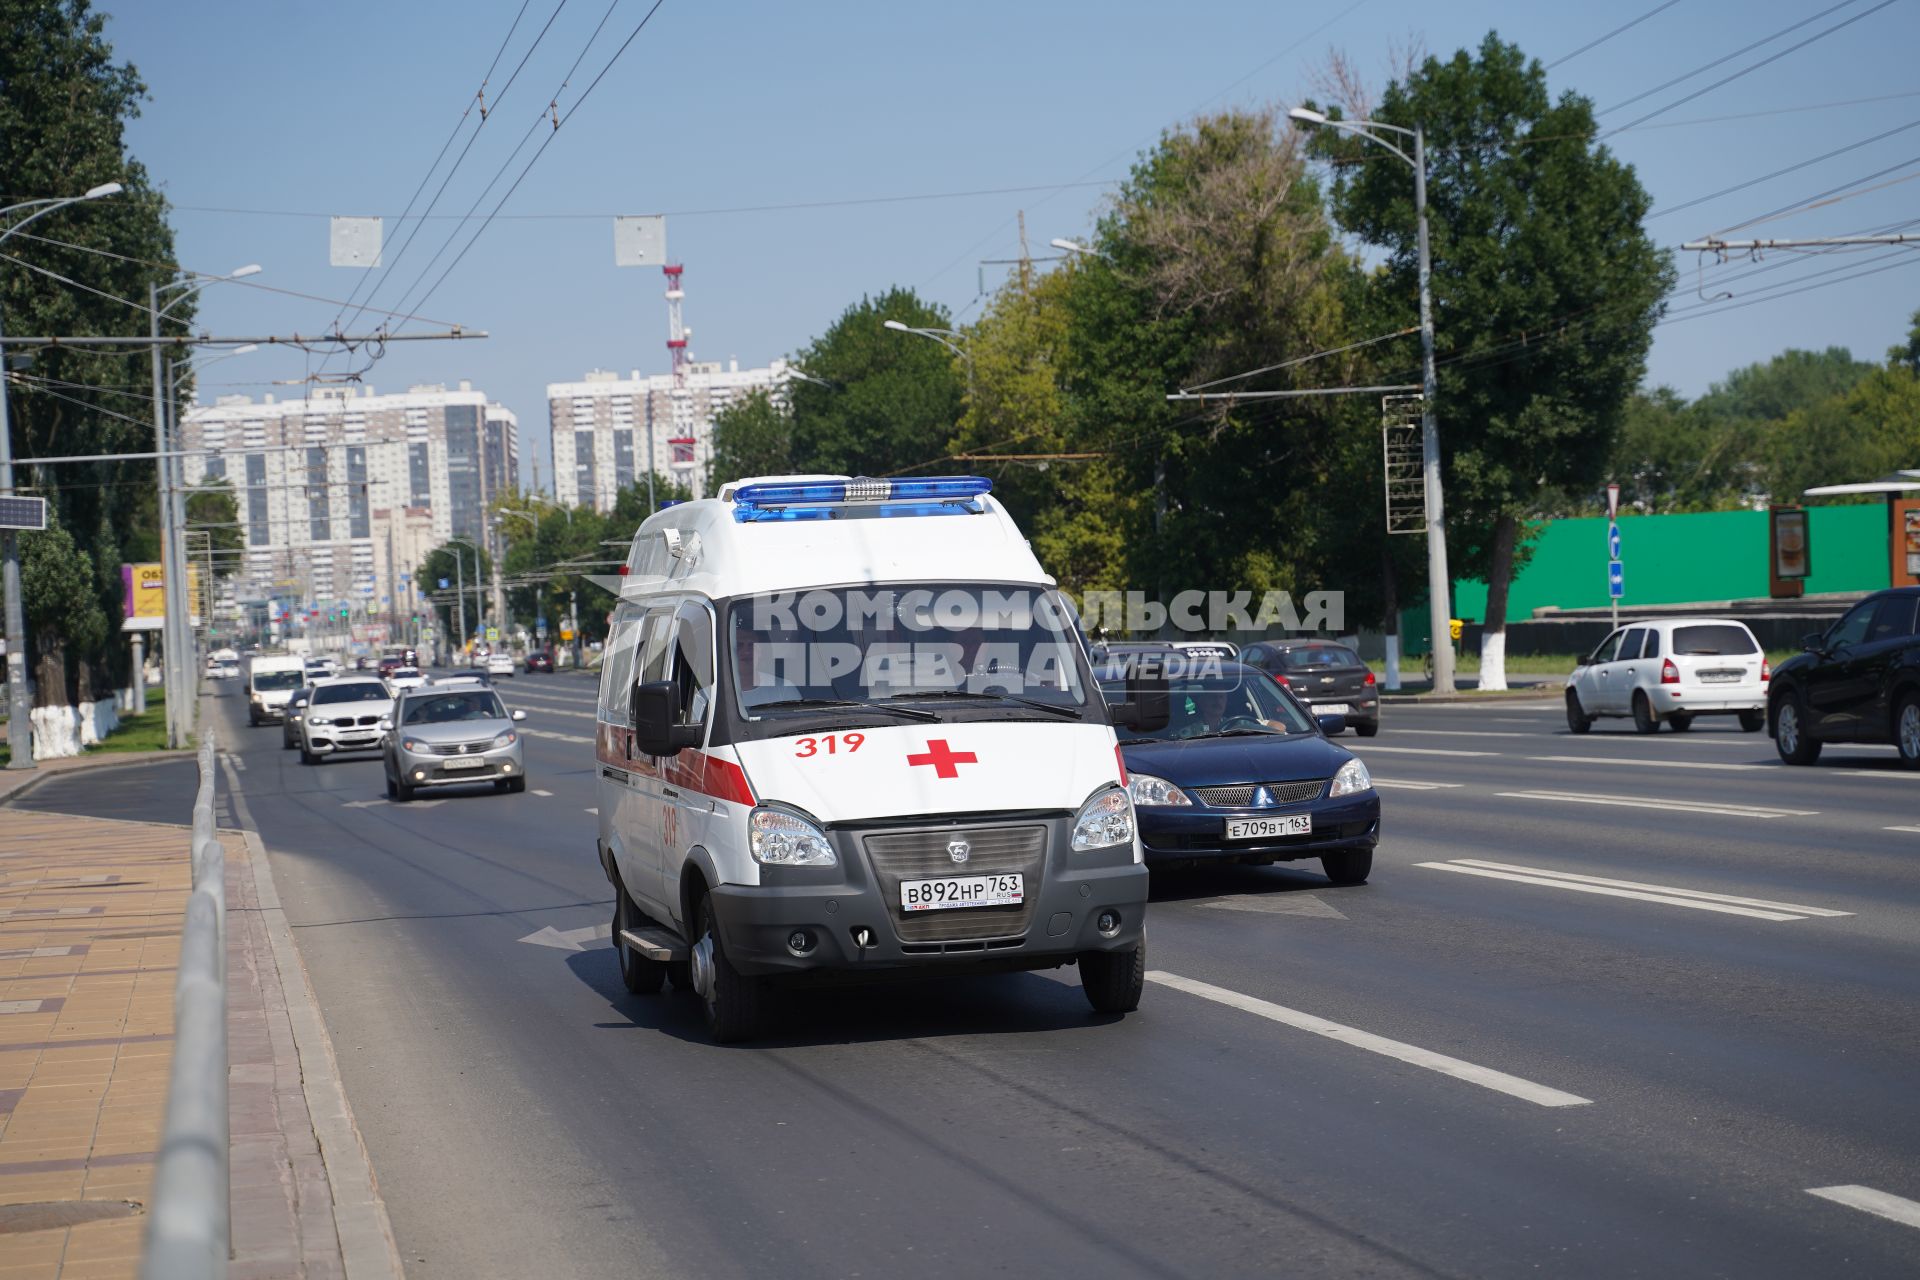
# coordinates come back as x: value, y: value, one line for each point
x: 1613, y: 541
x: 443, y: 584
x: 1616, y: 580
x: 1613, y: 501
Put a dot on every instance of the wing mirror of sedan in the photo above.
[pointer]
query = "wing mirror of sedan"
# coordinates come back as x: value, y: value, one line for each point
x: 1146, y: 707
x: 654, y: 730
x: 385, y: 725
x: 1814, y: 641
x: 519, y: 715
x: 1332, y: 726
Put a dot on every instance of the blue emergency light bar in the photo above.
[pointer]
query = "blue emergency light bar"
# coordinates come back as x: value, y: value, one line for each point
x: 838, y: 499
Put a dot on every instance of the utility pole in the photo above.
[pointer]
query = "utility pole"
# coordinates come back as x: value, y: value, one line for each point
x: 172, y: 650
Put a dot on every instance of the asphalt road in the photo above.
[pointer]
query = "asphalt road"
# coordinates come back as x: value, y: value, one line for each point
x: 1456, y: 1069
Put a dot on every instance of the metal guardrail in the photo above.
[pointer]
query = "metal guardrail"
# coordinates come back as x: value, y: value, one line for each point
x: 188, y: 1233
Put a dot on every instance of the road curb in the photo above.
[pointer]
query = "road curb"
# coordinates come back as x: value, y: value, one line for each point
x: 15, y: 783
x: 365, y: 1233
x: 1537, y: 693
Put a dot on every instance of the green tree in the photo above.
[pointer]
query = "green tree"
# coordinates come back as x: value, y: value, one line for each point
x: 1870, y: 431
x: 461, y: 566
x: 1769, y: 390
x: 1546, y: 289
x: 893, y: 399
x: 62, y: 609
x: 213, y: 510
x: 1907, y: 354
x: 64, y: 106
x: 751, y: 437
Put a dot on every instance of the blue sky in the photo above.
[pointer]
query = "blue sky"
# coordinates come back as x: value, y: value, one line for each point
x: 303, y: 109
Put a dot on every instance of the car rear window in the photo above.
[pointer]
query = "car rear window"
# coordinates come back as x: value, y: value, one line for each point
x: 1320, y: 655
x: 1713, y: 639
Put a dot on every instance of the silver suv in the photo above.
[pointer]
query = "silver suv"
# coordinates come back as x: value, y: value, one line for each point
x: 449, y: 734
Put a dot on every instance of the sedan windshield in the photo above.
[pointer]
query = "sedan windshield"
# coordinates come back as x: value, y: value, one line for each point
x: 358, y: 691
x: 275, y: 681
x: 450, y: 708
x: 1232, y: 702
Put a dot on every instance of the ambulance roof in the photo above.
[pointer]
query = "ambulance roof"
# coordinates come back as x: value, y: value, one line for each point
x: 723, y: 555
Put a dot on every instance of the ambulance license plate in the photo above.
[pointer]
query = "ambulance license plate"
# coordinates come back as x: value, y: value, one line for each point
x: 1293, y: 824
x: 962, y: 891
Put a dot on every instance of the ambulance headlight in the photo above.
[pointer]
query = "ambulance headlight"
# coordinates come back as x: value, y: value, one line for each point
x: 782, y: 838
x: 1104, y: 821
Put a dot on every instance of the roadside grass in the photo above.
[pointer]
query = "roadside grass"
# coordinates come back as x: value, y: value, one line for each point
x: 144, y: 732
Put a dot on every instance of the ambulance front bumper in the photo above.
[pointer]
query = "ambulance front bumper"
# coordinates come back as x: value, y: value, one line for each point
x: 848, y: 920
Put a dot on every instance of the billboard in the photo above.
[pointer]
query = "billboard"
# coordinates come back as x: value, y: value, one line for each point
x: 143, y: 604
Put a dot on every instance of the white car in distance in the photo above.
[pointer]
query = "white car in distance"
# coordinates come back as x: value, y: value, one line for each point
x: 500, y: 663
x: 1672, y: 670
x: 405, y: 678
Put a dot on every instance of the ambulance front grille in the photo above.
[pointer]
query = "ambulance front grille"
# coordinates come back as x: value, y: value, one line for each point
x: 914, y: 855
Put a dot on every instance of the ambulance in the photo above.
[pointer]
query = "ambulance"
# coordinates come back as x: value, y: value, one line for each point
x: 847, y: 729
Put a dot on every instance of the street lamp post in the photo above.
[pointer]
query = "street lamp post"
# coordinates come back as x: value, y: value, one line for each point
x: 941, y: 336
x: 19, y: 700
x: 1439, y: 583
x: 177, y: 626
x: 479, y: 602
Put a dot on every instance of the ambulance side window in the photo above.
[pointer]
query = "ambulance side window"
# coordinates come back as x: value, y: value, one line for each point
x: 616, y: 677
x: 691, y: 668
x: 650, y: 655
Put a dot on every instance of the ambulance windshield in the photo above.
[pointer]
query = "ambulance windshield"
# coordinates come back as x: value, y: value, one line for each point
x: 956, y: 649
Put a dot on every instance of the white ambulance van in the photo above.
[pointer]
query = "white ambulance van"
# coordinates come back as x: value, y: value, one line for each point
x: 271, y: 680
x: 847, y: 728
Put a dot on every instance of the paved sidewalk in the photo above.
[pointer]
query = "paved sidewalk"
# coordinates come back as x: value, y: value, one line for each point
x: 90, y: 917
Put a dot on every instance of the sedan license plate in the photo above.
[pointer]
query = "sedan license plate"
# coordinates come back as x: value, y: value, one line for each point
x: 475, y: 763
x: 962, y: 891
x: 1292, y: 824
x: 1330, y: 708
x: 1719, y: 677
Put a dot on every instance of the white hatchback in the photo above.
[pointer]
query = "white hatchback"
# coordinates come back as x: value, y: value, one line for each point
x: 500, y: 663
x: 1672, y: 670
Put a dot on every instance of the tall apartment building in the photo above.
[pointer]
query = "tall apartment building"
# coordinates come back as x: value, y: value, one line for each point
x: 601, y: 426
x: 344, y: 493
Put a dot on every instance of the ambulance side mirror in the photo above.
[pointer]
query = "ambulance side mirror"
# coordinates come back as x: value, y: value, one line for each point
x: 654, y: 730
x: 1146, y: 707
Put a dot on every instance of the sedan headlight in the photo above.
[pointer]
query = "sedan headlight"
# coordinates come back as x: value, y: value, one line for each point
x: 1352, y: 779
x: 1147, y: 789
x: 414, y: 745
x: 506, y: 739
x: 780, y: 838
x: 319, y: 720
x: 1104, y: 821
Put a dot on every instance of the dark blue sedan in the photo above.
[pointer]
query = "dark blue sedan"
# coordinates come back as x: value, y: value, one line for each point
x: 1243, y: 773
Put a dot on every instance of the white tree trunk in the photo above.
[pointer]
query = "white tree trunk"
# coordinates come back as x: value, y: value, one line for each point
x: 1493, y: 660
x: 1393, y: 664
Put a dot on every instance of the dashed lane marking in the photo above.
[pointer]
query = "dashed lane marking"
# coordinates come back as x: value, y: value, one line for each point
x: 1410, y: 785
x: 1671, y: 806
x: 1881, y: 1204
x: 1420, y: 751
x: 1699, y: 900
x: 1723, y: 766
x: 1915, y: 830
x: 1485, y: 1077
x: 539, y: 792
x: 594, y: 812
x: 556, y: 737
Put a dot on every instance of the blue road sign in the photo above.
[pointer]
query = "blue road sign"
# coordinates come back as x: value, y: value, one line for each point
x: 1616, y: 579
x: 1613, y: 541
x: 443, y: 584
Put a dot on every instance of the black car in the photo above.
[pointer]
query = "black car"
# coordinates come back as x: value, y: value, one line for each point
x: 1326, y: 676
x: 1858, y: 681
x: 290, y: 720
x: 1242, y: 772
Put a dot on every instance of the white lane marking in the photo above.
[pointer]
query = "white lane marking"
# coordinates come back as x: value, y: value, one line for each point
x: 1485, y: 1077
x: 539, y: 792
x: 568, y: 939
x: 555, y: 711
x: 1907, y: 775
x: 1654, y: 764
x: 1672, y: 806
x: 1279, y: 904
x: 1765, y: 903
x: 1466, y: 733
x: 1879, y: 1203
x: 1915, y: 830
x: 1608, y: 892
x: 1408, y: 785
x: 594, y: 812
x: 1420, y: 751
x: 557, y: 737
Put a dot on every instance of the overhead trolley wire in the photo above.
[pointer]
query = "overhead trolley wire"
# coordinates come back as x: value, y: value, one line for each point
x: 1623, y: 27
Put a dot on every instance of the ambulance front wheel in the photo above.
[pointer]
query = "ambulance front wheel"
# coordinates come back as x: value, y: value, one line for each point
x: 733, y: 1000
x: 1113, y: 980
